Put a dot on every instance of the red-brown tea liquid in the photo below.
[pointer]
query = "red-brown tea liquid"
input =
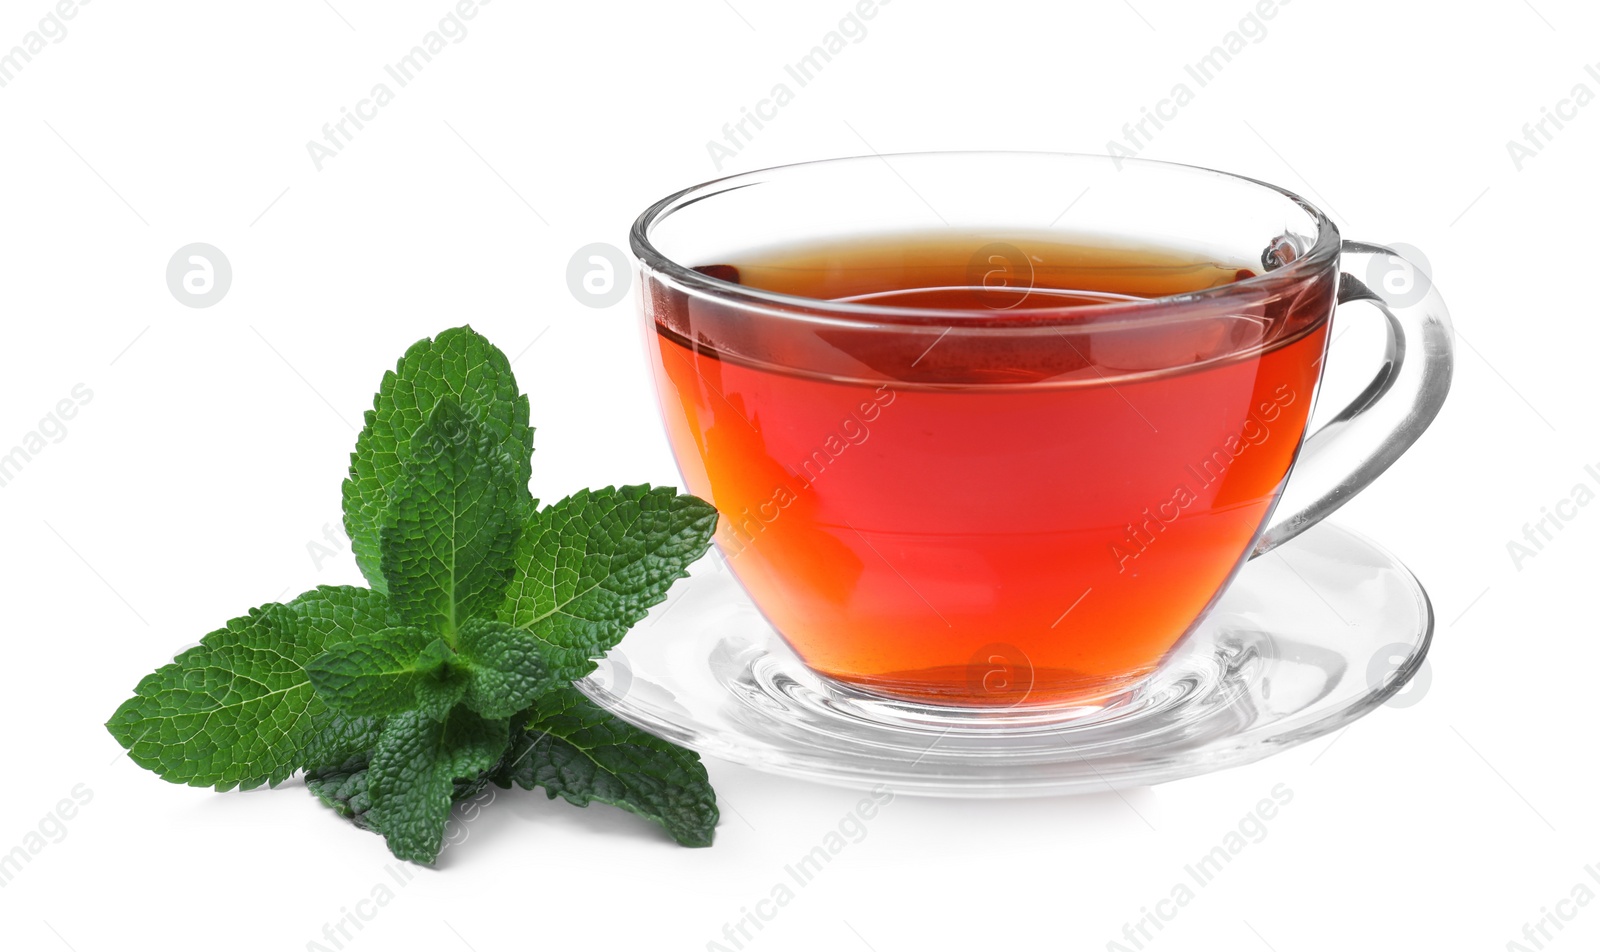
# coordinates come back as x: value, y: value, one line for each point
x: 927, y: 510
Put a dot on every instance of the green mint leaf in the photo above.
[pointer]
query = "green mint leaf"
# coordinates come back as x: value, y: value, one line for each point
x: 337, y: 614
x: 591, y: 565
x: 576, y: 750
x: 507, y: 671
x: 237, y: 710
x: 446, y: 683
x: 337, y: 738
x: 412, y: 777
x: 459, y: 364
x: 451, y: 530
x: 343, y: 788
x: 376, y: 674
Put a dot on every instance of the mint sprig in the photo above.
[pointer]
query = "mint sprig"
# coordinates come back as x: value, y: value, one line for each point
x: 454, y: 669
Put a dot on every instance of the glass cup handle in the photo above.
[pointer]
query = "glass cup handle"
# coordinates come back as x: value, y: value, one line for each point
x: 1350, y: 450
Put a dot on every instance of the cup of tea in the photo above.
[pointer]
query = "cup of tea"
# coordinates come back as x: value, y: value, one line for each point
x: 989, y: 429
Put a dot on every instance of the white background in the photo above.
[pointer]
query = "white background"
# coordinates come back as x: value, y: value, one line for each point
x: 189, y: 487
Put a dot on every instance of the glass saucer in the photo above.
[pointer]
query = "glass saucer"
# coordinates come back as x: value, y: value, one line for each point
x: 1308, y: 638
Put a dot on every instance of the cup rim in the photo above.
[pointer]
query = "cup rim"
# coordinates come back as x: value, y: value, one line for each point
x: 1323, y: 252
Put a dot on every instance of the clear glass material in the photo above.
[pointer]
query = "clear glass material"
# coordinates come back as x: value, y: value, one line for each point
x: 1028, y: 496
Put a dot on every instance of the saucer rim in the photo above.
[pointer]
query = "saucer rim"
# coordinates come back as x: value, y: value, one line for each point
x: 799, y: 764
